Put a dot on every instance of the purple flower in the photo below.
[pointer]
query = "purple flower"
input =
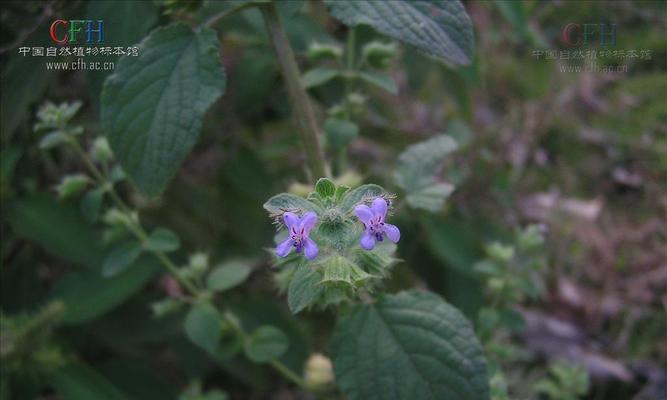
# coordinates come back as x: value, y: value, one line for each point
x: 299, y: 229
x: 373, y: 217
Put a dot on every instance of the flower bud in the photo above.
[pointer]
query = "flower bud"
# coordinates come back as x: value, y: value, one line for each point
x: 321, y: 51
x: 379, y: 55
x: 199, y: 263
x: 318, y: 372
x: 101, y: 152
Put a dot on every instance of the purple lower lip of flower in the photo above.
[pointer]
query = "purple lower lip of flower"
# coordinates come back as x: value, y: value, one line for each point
x: 373, y: 219
x: 299, y: 231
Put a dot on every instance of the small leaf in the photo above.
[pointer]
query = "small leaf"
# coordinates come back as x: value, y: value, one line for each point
x: 265, y: 344
x: 120, y: 258
x: 52, y: 139
x: 363, y: 193
x: 71, y: 185
x: 341, y: 190
x: 340, y: 132
x: 304, y: 288
x: 380, y: 80
x: 163, y: 239
x: 153, y: 105
x: 228, y: 275
x: 417, y: 169
x: 202, y: 326
x: 440, y: 28
x: 318, y: 76
x: 91, y: 204
x: 282, y: 202
x: 408, y: 346
x: 325, y: 188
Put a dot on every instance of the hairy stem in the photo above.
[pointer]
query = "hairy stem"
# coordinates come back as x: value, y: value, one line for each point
x: 301, y: 107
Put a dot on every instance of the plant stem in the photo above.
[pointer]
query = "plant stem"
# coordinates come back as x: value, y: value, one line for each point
x: 142, y: 235
x: 288, y: 373
x: 301, y: 106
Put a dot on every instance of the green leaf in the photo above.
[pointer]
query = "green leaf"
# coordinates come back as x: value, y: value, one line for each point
x: 52, y: 139
x: 91, y: 204
x: 121, y: 258
x: 430, y: 198
x: 363, y: 193
x: 440, y: 28
x: 88, y: 295
x: 325, y: 188
x: 128, y: 22
x: 202, y: 326
x: 340, y: 132
x: 71, y: 185
x: 77, y: 381
x: 304, y: 288
x: 59, y: 228
x: 163, y: 239
x: 228, y: 275
x: 411, y: 345
x: 417, y: 169
x: 267, y: 343
x: 318, y: 76
x: 282, y: 202
x: 153, y: 105
x: 383, y: 81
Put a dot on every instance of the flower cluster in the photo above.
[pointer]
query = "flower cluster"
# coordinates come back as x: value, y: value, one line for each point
x: 372, y: 217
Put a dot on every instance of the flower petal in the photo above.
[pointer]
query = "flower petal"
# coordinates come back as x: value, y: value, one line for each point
x: 392, y: 232
x: 379, y: 206
x: 308, y: 221
x: 290, y: 220
x: 284, y: 248
x: 367, y: 240
x: 310, y: 249
x: 364, y: 213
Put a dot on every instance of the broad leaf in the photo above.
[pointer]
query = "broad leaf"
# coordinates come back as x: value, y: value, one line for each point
x: 265, y: 344
x: 153, y: 105
x: 417, y: 169
x: 304, y: 288
x: 410, y: 346
x: 77, y: 381
x: 228, y: 275
x: 438, y: 27
x: 202, y: 326
x: 125, y: 23
x: 58, y: 228
x: 88, y: 295
x: 121, y: 258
